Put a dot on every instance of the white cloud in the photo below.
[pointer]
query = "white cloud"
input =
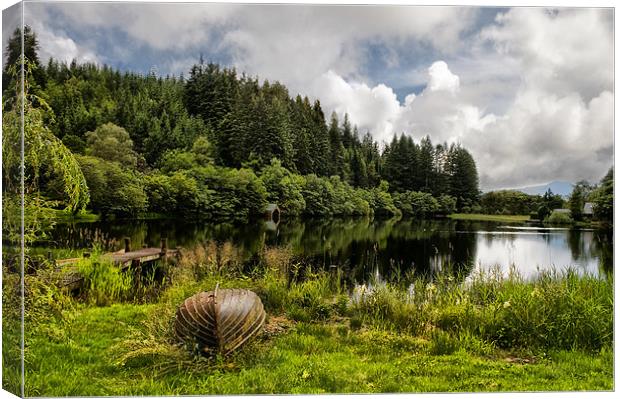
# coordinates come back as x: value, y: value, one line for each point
x: 372, y: 108
x: 61, y: 47
x: 561, y: 51
x: 557, y: 118
x: 441, y: 78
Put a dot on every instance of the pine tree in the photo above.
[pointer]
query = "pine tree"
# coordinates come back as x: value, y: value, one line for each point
x: 463, y: 177
x: 336, y: 148
x: 359, y: 173
x: 319, y: 142
x: 426, y: 165
x: 347, y: 133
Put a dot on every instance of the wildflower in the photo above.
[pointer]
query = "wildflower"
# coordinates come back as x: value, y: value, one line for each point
x: 506, y: 304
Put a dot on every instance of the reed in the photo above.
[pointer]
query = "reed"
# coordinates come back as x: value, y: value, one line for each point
x: 104, y: 282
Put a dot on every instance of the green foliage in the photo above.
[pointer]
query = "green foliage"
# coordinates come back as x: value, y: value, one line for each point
x: 113, y: 190
x: 558, y: 218
x: 509, y: 202
x: 217, y: 117
x: 111, y: 143
x: 43, y: 155
x: 318, y: 194
x: 334, y: 197
x: 235, y: 193
x: 419, y: 204
x: 577, y: 199
x: 380, y: 200
x: 177, y: 160
x: 104, y: 282
x: 178, y: 194
x: 74, y: 143
x: 463, y: 177
x: 447, y: 204
x: 283, y: 188
x: 201, y: 154
x: 203, y: 151
x: 603, y: 198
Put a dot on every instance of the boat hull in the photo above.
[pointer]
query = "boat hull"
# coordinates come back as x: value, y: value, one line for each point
x: 220, y: 320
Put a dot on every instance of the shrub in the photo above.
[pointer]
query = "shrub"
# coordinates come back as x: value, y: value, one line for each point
x: 233, y: 193
x: 558, y: 218
x: 104, y: 282
x: 113, y: 190
x: 283, y: 187
x: 318, y: 194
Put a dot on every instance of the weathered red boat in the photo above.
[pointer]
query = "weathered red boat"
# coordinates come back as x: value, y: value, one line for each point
x: 221, y: 320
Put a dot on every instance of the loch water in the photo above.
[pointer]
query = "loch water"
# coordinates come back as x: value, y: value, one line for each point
x: 367, y: 249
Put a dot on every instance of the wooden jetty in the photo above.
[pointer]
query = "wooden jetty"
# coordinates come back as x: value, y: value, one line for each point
x: 124, y: 259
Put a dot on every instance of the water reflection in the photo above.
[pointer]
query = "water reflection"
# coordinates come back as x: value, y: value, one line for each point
x: 360, y: 248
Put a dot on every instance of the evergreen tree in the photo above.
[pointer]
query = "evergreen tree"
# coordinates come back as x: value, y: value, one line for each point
x: 463, y: 177
x: 426, y: 166
x: 300, y: 128
x: 13, y: 53
x: 347, y: 133
x: 320, y: 142
x: 359, y: 172
x: 336, y: 149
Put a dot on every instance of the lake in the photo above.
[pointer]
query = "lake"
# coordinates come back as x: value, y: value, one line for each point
x: 365, y: 249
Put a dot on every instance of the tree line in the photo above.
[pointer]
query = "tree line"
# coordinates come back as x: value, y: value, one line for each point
x: 541, y: 207
x: 217, y: 142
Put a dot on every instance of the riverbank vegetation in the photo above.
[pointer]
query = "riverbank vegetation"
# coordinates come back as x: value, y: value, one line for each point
x: 588, y: 204
x: 486, y: 332
x: 490, y: 218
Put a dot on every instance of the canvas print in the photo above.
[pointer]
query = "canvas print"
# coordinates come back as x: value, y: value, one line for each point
x: 226, y: 199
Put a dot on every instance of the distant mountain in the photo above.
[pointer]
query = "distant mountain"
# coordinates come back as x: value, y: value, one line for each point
x: 563, y: 188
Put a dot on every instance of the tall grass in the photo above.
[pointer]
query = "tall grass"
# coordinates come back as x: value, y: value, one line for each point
x: 104, y: 282
x: 555, y: 310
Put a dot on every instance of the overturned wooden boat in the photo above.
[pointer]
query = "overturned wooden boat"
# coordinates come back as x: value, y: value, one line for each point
x: 221, y: 320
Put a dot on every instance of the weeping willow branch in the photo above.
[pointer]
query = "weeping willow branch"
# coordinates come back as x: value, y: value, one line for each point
x: 41, y: 149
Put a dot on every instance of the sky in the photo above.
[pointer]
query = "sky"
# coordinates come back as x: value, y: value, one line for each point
x: 528, y: 91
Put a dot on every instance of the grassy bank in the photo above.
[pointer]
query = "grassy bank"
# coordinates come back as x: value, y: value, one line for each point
x: 485, y: 333
x: 490, y: 218
x: 307, y: 358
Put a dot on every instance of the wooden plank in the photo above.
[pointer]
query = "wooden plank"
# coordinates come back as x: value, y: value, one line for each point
x: 144, y: 255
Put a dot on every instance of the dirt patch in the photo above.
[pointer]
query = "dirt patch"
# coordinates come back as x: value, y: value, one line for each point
x: 520, y: 360
x: 276, y: 325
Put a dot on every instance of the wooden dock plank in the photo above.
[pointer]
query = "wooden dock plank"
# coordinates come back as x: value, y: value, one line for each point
x: 142, y: 255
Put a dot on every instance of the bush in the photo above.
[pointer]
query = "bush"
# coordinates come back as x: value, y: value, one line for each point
x: 104, y: 282
x: 318, y: 194
x: 113, y: 190
x: 558, y: 218
x: 283, y: 187
x: 380, y: 200
x: 233, y: 193
x: 419, y: 204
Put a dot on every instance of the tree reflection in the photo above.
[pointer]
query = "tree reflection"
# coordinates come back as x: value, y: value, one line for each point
x: 358, y: 248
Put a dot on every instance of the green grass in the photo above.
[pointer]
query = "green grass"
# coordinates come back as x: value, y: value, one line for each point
x: 487, y: 333
x: 83, y: 216
x: 310, y: 358
x: 490, y: 218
